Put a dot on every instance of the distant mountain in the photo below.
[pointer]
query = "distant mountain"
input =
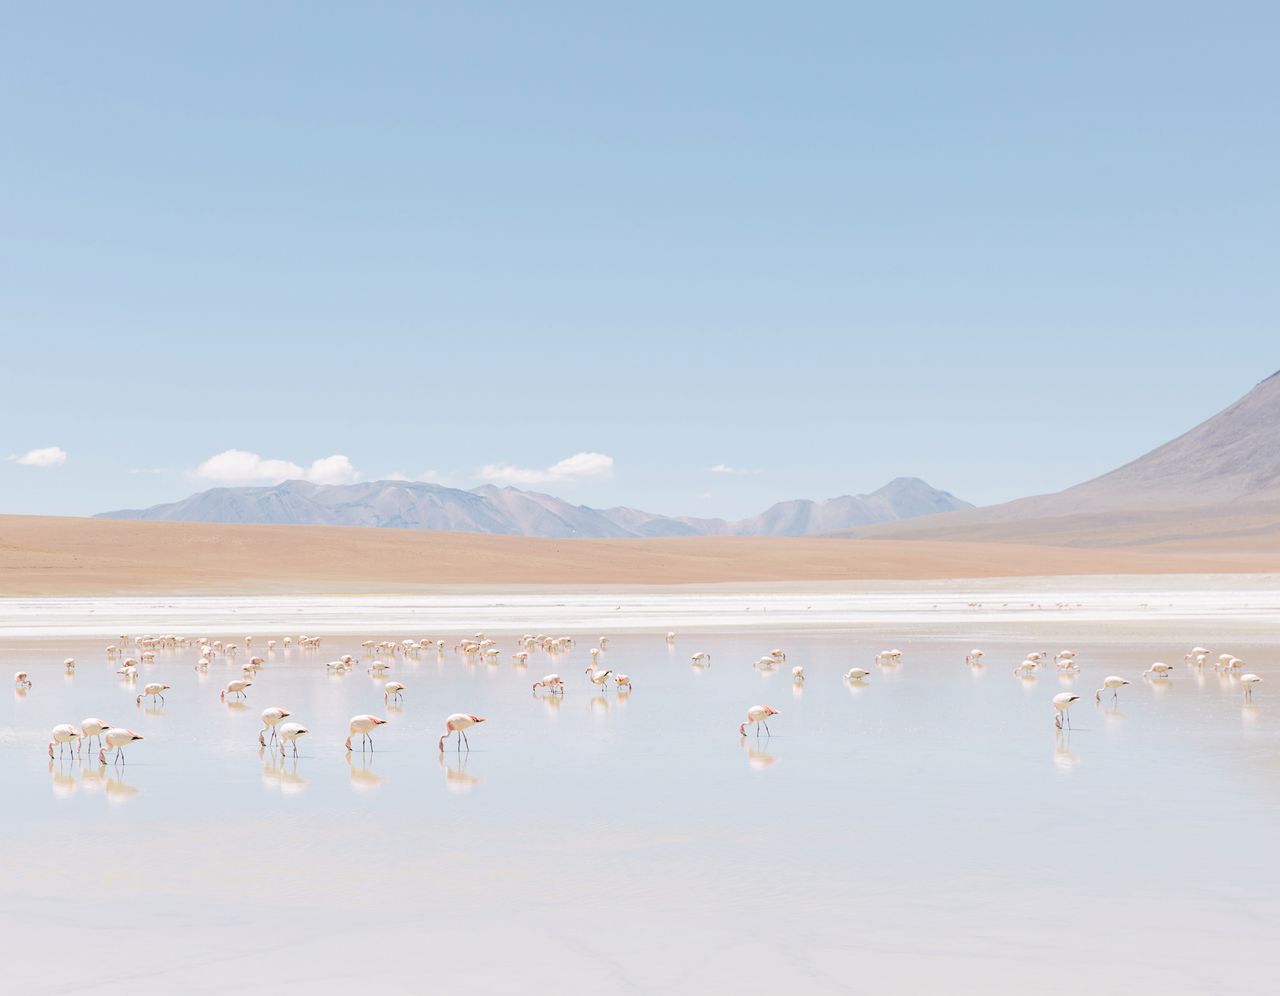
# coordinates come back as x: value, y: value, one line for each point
x: 512, y: 512
x: 1194, y: 485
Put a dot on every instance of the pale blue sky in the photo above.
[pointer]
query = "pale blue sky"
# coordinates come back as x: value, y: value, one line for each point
x: 1000, y: 246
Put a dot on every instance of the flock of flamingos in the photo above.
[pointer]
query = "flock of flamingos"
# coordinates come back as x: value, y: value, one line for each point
x: 275, y: 730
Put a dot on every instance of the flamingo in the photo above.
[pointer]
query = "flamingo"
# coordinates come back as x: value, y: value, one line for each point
x: 457, y: 723
x: 1159, y: 669
x: 758, y: 714
x: 974, y: 656
x: 701, y: 659
x: 797, y: 673
x: 598, y: 678
x: 291, y: 732
x: 856, y: 674
x: 235, y: 687
x: 621, y: 679
x: 1064, y: 655
x: 94, y: 728
x: 393, y: 690
x: 116, y: 738
x: 1027, y: 667
x: 64, y: 734
x: 551, y: 681
x: 1062, y: 702
x: 271, y: 718
x: 22, y: 680
x: 364, y: 724
x: 1249, y: 680
x: 153, y: 691
x: 1113, y: 682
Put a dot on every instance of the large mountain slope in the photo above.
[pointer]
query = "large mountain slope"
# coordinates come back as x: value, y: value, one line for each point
x: 1224, y: 469
x: 512, y: 512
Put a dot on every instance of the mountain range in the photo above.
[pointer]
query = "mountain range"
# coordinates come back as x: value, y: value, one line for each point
x: 513, y: 512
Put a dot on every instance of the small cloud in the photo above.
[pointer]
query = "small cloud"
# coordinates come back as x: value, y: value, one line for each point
x: 334, y: 469
x: 580, y: 465
x: 242, y: 467
x: 724, y: 468
x: 49, y: 456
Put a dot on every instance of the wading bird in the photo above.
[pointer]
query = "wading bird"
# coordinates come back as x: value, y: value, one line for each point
x: 1113, y: 683
x: 116, y: 738
x: 758, y: 714
x: 457, y: 723
x: 364, y: 724
x: 153, y: 691
x: 271, y: 719
x: 65, y: 736
x: 1063, y: 702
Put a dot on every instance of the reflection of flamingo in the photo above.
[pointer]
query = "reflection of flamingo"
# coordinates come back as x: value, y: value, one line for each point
x: 457, y: 723
x: 456, y: 778
x: 758, y: 714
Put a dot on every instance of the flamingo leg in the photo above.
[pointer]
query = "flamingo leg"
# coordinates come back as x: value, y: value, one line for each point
x: 465, y: 740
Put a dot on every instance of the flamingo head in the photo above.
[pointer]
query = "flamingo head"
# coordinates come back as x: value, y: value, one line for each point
x: 348, y: 743
x: 377, y: 721
x: 770, y: 711
x: 102, y: 757
x: 51, y: 748
x: 742, y: 730
x: 477, y: 719
x: 138, y: 700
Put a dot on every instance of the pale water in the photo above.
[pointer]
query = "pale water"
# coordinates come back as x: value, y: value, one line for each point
x: 927, y: 832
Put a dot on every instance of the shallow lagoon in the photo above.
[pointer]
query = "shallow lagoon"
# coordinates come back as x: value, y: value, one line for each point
x: 929, y: 831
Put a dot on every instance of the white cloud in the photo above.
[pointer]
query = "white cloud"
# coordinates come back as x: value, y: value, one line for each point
x: 580, y: 465
x: 242, y: 467
x: 49, y: 456
x: 334, y: 469
x: 724, y: 468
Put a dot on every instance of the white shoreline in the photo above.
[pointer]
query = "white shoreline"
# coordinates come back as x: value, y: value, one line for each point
x: 968, y: 604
